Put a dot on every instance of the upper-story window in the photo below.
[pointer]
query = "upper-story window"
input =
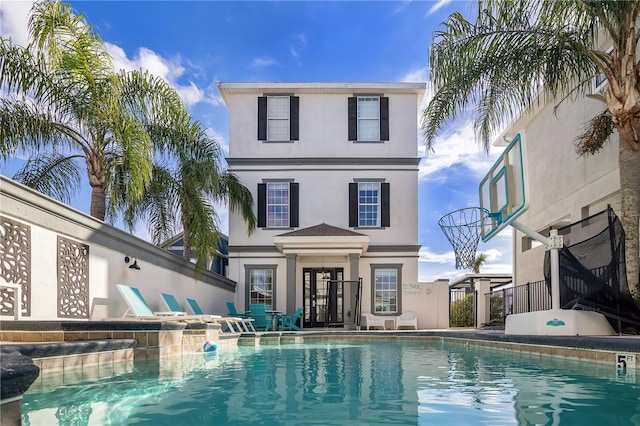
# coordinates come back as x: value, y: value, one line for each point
x: 278, y: 118
x: 369, y: 205
x: 278, y: 204
x: 369, y: 118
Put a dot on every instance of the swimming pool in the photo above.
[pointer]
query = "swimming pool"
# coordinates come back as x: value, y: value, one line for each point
x: 343, y: 383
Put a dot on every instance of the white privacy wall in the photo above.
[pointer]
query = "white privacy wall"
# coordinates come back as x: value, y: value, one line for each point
x: 160, y: 271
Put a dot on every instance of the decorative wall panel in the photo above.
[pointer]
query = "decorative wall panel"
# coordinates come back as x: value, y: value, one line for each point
x: 73, y: 279
x: 15, y: 264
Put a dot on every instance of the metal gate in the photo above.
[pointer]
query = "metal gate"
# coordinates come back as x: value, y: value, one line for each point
x: 462, y: 307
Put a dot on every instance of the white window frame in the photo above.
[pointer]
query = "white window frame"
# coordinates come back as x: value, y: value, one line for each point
x: 273, y: 220
x: 273, y: 117
x: 363, y: 118
x: 364, y: 222
x: 261, y: 276
x: 385, y: 286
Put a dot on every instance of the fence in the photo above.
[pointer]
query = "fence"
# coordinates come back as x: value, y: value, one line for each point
x: 462, y: 307
x: 535, y: 296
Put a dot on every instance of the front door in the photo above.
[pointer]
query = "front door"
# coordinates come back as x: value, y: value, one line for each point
x: 323, y: 297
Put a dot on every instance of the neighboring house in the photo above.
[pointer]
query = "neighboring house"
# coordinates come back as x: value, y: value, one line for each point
x: 563, y: 187
x: 219, y: 263
x: 333, y: 168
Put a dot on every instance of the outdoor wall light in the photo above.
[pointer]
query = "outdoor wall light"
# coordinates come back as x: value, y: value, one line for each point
x: 134, y: 265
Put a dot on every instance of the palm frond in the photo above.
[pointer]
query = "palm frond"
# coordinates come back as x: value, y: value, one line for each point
x: 500, y: 64
x: 52, y: 174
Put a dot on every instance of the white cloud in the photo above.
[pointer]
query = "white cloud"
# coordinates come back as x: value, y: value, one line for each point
x: 298, y: 44
x: 437, y: 6
x: 263, y: 62
x: 222, y: 141
x: 419, y: 75
x: 171, y: 70
x: 402, y: 6
x: 13, y: 20
x: 457, y: 146
x: 427, y: 256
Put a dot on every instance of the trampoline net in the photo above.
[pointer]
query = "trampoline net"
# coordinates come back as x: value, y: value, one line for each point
x: 593, y: 273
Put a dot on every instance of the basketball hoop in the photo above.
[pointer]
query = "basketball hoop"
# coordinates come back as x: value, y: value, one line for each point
x: 463, y: 229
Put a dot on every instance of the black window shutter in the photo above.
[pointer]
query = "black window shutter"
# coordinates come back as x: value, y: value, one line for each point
x: 385, y: 206
x: 384, y: 119
x: 353, y: 205
x: 262, y: 205
x: 294, y: 118
x: 262, y: 118
x: 353, y: 119
x: 294, y: 197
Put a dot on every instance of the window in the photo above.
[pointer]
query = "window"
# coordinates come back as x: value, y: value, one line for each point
x: 386, y: 279
x: 369, y: 118
x: 278, y: 204
x: 278, y: 118
x: 261, y: 284
x: 369, y: 205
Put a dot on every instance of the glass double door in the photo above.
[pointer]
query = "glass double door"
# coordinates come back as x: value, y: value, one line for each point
x: 323, y: 297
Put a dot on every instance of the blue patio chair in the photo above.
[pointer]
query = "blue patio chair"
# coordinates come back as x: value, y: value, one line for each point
x: 288, y: 322
x: 233, y: 312
x: 233, y: 323
x: 258, y: 312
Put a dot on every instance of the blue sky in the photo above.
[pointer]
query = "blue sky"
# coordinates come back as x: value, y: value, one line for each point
x: 193, y: 45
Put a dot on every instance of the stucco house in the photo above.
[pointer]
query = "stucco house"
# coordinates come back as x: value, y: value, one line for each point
x: 333, y: 169
x: 563, y: 187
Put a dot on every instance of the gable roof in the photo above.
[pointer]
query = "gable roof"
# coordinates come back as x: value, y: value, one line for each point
x: 322, y: 239
x: 321, y: 230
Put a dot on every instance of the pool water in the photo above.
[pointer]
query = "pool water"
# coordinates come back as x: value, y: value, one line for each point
x: 390, y: 383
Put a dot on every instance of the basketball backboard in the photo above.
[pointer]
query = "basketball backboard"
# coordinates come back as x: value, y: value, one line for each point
x: 503, y: 189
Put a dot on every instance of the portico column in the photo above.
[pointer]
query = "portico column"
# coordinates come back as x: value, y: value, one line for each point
x: 354, y: 266
x: 291, y: 283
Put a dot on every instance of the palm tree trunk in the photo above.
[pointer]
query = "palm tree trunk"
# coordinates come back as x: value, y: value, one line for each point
x: 186, y: 239
x: 629, y: 161
x: 98, y: 202
x: 97, y: 182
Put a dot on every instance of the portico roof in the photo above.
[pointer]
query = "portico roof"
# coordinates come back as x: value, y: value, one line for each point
x: 322, y: 239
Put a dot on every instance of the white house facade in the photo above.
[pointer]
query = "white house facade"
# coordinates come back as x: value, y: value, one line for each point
x: 563, y: 187
x: 333, y: 169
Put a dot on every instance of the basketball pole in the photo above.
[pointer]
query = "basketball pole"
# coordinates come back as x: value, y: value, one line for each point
x: 554, y: 243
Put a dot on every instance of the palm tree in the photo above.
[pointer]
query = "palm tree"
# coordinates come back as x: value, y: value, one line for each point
x: 478, y: 262
x: 63, y: 100
x: 187, y: 180
x: 518, y: 50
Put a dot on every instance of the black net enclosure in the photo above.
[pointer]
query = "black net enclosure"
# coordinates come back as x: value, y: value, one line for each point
x: 592, y: 271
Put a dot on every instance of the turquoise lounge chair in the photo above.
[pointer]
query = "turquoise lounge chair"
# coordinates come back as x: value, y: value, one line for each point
x: 173, y: 305
x: 233, y: 312
x: 233, y: 323
x: 138, y: 308
x: 288, y: 322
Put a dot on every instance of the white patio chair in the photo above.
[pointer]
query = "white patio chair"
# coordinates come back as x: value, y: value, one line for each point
x: 370, y: 320
x: 407, y: 319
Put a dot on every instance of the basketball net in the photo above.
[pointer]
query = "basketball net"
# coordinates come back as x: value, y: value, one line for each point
x: 463, y: 229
